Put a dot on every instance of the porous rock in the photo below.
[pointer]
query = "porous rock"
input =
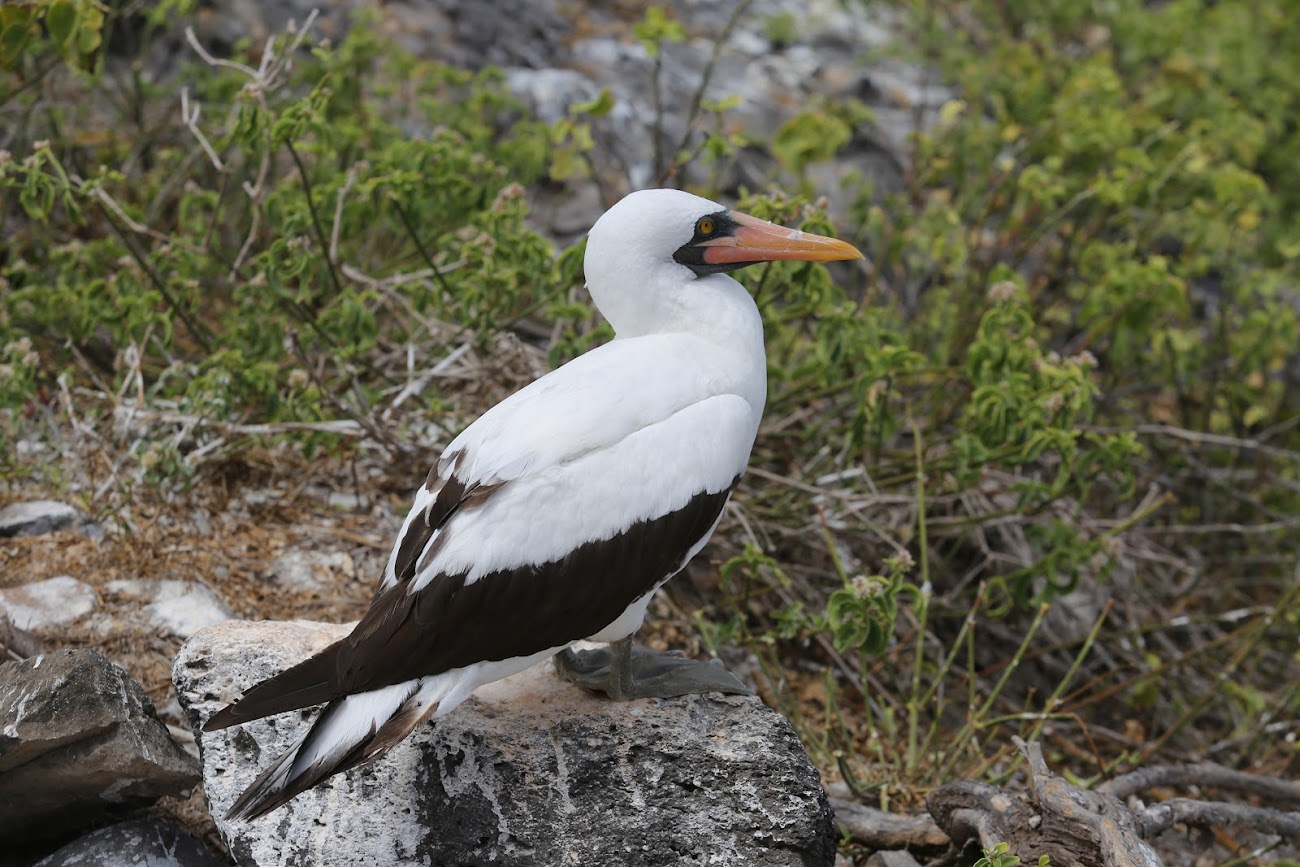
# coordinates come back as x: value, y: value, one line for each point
x: 138, y: 843
x: 35, y: 518
x: 530, y: 771
x: 79, y: 739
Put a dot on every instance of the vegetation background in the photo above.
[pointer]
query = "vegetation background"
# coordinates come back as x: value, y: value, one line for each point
x: 1033, y: 470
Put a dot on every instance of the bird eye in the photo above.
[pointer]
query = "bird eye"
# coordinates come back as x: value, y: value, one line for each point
x: 705, y: 226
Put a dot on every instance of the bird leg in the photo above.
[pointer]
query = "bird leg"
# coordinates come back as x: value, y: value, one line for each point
x: 623, y: 671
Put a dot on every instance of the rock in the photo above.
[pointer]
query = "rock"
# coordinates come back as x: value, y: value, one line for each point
x: 78, y: 739
x: 43, y: 605
x: 36, y: 518
x: 180, y: 607
x: 140, y: 843
x: 530, y: 771
x: 550, y: 92
x: 896, y: 858
x: 297, y: 569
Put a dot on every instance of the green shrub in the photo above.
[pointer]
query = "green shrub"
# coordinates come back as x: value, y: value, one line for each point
x: 297, y: 230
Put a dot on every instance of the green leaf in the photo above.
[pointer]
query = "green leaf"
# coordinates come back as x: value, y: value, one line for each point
x: 60, y: 20
x: 602, y: 105
x: 657, y: 28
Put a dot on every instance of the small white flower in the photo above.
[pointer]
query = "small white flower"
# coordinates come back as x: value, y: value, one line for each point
x: 21, y: 346
x: 901, y: 562
x: 1086, y: 359
x: 867, y: 586
x: 1003, y: 290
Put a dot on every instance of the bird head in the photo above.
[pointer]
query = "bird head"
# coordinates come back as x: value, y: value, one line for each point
x: 666, y: 243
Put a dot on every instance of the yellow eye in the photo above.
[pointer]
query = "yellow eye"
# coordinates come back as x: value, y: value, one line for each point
x: 704, y: 226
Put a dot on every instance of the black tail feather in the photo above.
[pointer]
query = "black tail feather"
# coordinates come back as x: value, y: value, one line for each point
x: 310, y: 682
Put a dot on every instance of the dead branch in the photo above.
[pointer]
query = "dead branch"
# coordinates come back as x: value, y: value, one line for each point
x: 1206, y: 775
x: 1072, y: 826
x: 1094, y: 828
x: 880, y: 830
x: 1160, y: 817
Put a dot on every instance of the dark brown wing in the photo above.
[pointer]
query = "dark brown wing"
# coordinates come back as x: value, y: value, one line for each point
x: 518, y: 612
x: 509, y: 613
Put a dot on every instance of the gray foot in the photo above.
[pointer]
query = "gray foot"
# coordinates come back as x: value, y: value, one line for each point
x: 623, y: 671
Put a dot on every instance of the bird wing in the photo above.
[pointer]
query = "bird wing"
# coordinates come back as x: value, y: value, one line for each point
x: 541, y: 524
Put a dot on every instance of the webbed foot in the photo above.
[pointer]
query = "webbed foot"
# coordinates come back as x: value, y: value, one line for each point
x: 622, y: 671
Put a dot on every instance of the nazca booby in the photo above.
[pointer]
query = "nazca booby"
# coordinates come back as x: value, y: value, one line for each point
x: 557, y: 514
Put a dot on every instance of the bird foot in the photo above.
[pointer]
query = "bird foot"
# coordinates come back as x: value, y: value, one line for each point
x: 646, y: 674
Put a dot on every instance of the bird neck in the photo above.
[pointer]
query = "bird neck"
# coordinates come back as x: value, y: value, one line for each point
x: 715, y: 308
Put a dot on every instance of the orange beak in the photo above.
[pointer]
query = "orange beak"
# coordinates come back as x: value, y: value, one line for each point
x: 756, y: 240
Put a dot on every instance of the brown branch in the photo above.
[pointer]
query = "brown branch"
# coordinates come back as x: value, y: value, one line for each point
x: 1206, y: 774
x: 1164, y: 815
x: 1072, y: 826
x: 877, y: 829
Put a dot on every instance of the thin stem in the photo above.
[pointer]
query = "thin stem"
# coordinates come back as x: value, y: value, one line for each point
x: 409, y: 225
x: 197, y: 330
x: 1054, y: 700
x: 321, y: 237
x: 697, y: 98
x: 922, y: 602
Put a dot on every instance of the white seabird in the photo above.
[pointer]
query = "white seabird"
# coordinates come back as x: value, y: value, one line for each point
x: 557, y: 515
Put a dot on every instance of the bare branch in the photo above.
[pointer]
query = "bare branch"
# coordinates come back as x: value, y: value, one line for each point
x: 1162, y: 816
x: 880, y: 830
x: 1203, y: 774
x: 190, y: 117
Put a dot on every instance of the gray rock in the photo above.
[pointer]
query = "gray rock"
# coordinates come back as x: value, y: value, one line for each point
x: 531, y: 771
x: 140, y: 843
x: 78, y: 739
x: 43, y: 605
x: 550, y: 92
x: 179, y: 607
x: 297, y: 569
x: 36, y: 518
x: 894, y: 858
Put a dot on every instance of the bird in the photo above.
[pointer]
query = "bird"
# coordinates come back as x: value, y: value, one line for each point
x: 556, y: 515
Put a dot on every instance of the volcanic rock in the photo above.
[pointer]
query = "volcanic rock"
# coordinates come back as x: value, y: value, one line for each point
x: 530, y: 771
x: 79, y: 739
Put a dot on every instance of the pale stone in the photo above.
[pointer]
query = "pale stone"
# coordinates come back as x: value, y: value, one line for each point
x: 44, y: 605
x: 180, y: 607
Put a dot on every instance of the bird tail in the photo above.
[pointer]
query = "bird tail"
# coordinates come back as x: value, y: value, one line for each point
x: 350, y: 731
